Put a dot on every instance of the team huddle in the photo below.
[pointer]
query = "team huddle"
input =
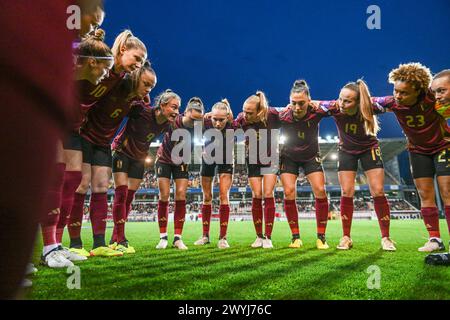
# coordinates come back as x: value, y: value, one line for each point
x: 115, y: 83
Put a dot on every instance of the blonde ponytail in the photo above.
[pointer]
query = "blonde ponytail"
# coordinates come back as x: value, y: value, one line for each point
x: 365, y: 104
x: 127, y: 40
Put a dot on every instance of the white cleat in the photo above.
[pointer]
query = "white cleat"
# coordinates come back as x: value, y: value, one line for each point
x: 258, y: 243
x: 55, y: 259
x: 434, y: 244
x: 31, y: 269
x: 345, y: 243
x: 180, y: 245
x: 387, y: 244
x: 162, y: 244
x: 202, y: 241
x: 26, y: 283
x: 267, y: 244
x: 72, y: 256
x: 223, y: 244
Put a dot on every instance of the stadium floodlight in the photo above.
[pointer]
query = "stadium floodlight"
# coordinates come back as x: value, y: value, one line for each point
x: 334, y: 156
x: 328, y: 138
x: 283, y: 139
x: 148, y: 160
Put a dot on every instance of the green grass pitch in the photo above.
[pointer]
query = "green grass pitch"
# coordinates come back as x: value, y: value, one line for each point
x: 245, y: 273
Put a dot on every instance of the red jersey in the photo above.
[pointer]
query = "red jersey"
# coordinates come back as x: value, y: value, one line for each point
x: 272, y: 123
x: 302, y: 136
x: 141, y: 129
x: 38, y: 28
x: 89, y: 94
x: 426, y: 130
x: 105, y: 117
x: 353, y: 138
x: 207, y: 124
x: 165, y: 149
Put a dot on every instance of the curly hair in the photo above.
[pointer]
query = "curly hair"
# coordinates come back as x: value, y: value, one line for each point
x: 415, y: 73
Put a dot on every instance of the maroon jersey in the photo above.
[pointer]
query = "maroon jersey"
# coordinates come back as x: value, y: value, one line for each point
x: 164, y: 154
x: 353, y: 138
x: 207, y: 124
x: 141, y: 129
x: 105, y: 116
x: 302, y: 136
x: 23, y: 25
x: 427, y: 131
x: 272, y: 123
x: 89, y: 94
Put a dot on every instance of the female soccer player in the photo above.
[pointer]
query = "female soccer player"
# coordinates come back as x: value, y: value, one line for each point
x: 93, y: 61
x: 128, y: 52
x: 258, y: 115
x: 168, y: 168
x: 130, y: 148
x: 357, y: 127
x: 428, y: 137
x: 221, y: 118
x: 441, y: 89
x: 39, y: 87
x: 101, y: 124
x: 300, y: 126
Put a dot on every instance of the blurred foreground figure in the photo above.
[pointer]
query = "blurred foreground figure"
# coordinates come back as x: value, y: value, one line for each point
x: 36, y: 102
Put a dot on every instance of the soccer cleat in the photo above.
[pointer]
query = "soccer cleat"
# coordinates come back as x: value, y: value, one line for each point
x: 26, y: 283
x: 72, y: 256
x: 258, y: 243
x: 223, y: 244
x: 345, y: 243
x: 125, y: 249
x: 113, y: 245
x: 80, y: 251
x: 433, y: 244
x: 180, y: 245
x: 387, y: 244
x: 55, y: 259
x: 202, y: 241
x: 162, y: 244
x: 31, y: 269
x: 105, y: 252
x: 267, y: 243
x: 296, y: 244
x: 322, y: 245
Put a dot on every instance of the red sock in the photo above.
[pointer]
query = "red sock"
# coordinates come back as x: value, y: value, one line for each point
x: 72, y: 180
x: 130, y: 198
x: 321, y: 215
x: 180, y: 213
x: 269, y: 215
x: 346, y: 214
x: 99, y: 212
x: 431, y: 220
x: 119, y: 213
x: 53, y: 204
x: 447, y: 216
x: 54, y: 193
x: 257, y: 213
x: 290, y: 208
x: 76, y: 216
x: 163, y: 215
x: 206, y: 218
x: 383, y: 213
x: 48, y: 227
x: 224, y: 212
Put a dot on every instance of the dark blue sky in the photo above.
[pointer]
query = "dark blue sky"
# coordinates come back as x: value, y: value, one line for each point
x: 231, y: 48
